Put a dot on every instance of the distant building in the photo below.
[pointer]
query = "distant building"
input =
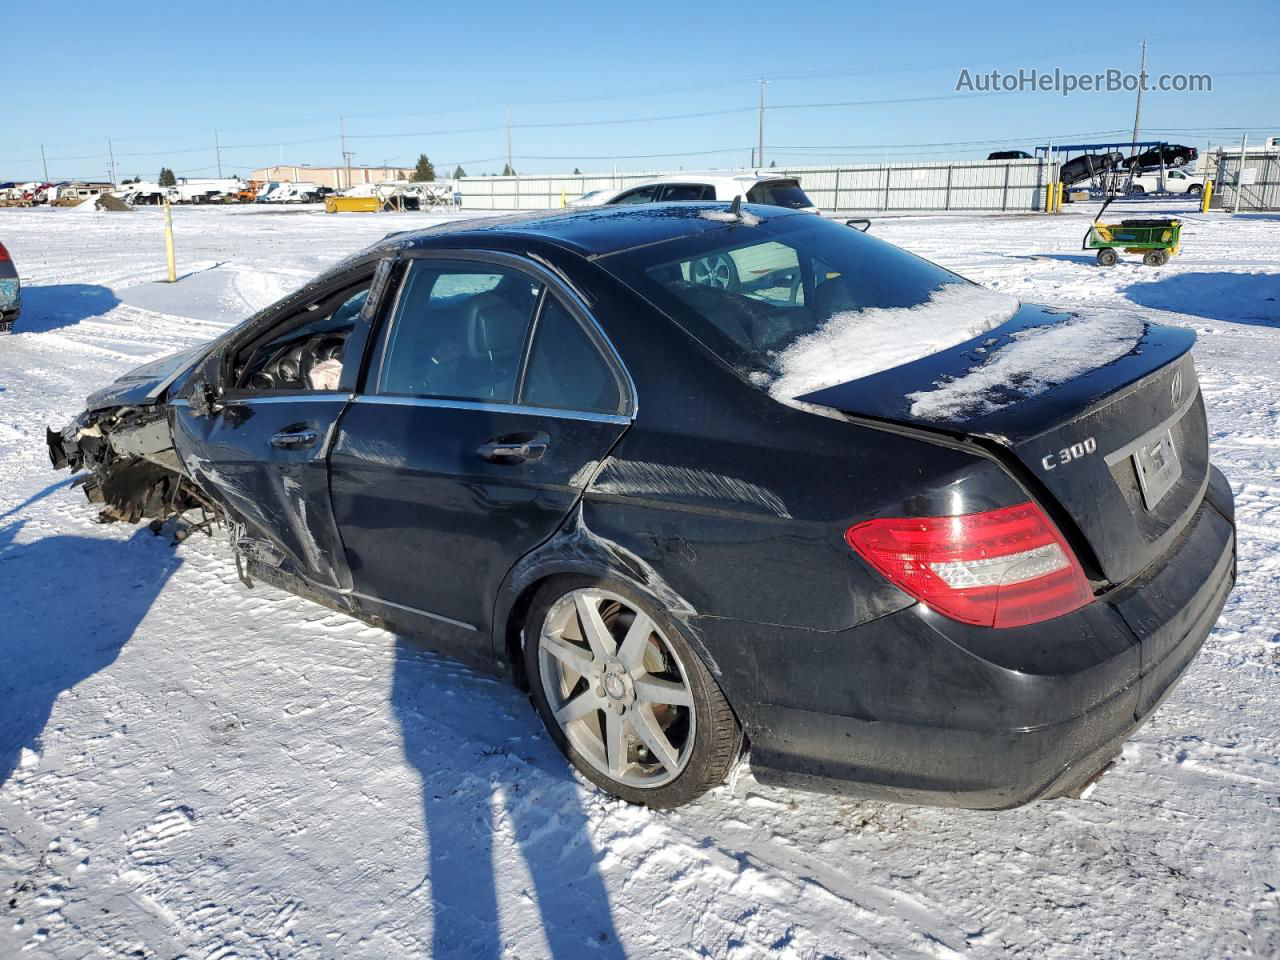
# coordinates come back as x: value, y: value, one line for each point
x: 335, y: 177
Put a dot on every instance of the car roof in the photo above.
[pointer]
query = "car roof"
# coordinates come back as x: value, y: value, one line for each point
x: 588, y: 231
x: 714, y: 179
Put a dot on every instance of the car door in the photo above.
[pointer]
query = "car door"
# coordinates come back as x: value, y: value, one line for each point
x: 490, y: 395
x: 261, y: 448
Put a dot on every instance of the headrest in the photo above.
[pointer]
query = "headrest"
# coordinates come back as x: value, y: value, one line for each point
x: 494, y: 326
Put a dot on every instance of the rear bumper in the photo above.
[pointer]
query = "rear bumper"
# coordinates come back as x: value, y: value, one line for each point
x: 916, y: 708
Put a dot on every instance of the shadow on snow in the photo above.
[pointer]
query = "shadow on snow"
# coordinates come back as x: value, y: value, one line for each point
x: 471, y: 798
x: 46, y: 308
x: 70, y: 604
x: 1237, y: 297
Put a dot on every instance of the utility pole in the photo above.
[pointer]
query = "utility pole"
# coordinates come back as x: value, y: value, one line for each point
x: 342, y: 139
x: 1137, y: 110
x: 217, y: 151
x: 111, y: 161
x: 44, y: 163
x: 760, y: 152
x: 510, y: 166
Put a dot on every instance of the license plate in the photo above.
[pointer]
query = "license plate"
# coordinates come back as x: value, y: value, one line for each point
x: 1158, y: 468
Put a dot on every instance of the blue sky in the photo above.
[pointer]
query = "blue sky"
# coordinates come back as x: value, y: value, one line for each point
x: 413, y: 77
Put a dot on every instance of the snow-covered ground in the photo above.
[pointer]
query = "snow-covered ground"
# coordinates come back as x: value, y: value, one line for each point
x: 192, y: 769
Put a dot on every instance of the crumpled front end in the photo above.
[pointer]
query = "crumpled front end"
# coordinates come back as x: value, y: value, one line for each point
x: 131, y: 468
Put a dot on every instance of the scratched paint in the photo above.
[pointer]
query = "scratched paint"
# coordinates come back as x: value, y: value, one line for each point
x: 639, y: 479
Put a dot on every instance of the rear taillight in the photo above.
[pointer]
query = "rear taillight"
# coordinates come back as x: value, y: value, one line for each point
x: 1000, y: 568
x: 4, y: 254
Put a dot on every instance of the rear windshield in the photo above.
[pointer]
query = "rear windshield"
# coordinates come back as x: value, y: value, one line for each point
x: 799, y: 302
x: 779, y: 193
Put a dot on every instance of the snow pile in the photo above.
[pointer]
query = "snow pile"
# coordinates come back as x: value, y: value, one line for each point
x: 1037, y: 359
x: 858, y: 343
x: 724, y: 216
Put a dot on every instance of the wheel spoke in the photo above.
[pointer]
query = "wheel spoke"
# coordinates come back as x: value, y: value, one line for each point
x: 631, y: 650
x: 645, y: 726
x: 615, y: 743
x: 657, y: 690
x: 593, y: 629
x: 580, y: 706
x: 569, y: 654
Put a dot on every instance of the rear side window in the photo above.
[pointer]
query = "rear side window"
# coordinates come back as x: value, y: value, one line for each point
x: 779, y: 193
x: 687, y: 191
x: 566, y: 371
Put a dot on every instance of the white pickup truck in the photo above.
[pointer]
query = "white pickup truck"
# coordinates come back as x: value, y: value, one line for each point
x: 1175, y: 181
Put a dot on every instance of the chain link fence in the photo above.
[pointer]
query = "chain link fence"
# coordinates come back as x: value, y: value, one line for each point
x: 1251, y: 182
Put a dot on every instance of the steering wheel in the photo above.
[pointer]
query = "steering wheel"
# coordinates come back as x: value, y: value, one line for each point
x: 321, y: 347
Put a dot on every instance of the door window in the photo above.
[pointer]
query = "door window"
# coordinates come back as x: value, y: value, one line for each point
x: 566, y: 371
x: 688, y: 191
x: 307, y: 352
x: 641, y: 195
x: 459, y: 332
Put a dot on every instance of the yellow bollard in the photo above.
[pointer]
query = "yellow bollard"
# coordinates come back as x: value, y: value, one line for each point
x: 168, y: 242
x: 1057, y: 203
x: 1206, y: 196
x: 564, y: 201
x: 1048, y: 199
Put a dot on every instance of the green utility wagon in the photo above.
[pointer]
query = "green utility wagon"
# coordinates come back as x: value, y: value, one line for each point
x: 1156, y: 240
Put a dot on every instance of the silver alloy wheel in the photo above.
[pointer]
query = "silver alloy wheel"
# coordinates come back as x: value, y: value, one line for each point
x: 617, y: 688
x: 713, y: 271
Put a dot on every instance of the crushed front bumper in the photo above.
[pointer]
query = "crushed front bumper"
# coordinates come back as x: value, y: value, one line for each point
x: 916, y: 708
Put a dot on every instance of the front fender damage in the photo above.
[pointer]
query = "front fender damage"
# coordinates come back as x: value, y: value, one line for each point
x: 130, y: 466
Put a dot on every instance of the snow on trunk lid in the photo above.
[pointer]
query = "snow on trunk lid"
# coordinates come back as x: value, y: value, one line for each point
x: 858, y: 343
x: 1084, y: 402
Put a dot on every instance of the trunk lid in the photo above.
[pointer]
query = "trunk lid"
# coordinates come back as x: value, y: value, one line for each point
x: 1103, y: 416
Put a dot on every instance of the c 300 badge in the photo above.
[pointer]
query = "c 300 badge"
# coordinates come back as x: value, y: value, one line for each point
x: 1064, y: 456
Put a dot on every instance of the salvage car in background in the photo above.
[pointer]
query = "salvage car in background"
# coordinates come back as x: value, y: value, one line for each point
x: 843, y: 510
x: 1171, y: 155
x: 10, y: 291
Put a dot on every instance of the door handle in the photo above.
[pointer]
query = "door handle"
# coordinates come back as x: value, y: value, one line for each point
x: 519, y: 449
x: 291, y: 440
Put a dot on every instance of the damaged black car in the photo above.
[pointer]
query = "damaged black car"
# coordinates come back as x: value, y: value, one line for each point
x: 708, y: 480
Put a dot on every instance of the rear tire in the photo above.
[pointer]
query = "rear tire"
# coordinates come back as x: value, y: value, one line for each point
x: 1195, y: 190
x: 605, y: 664
x: 1137, y: 191
x: 1107, y: 257
x: 1154, y: 258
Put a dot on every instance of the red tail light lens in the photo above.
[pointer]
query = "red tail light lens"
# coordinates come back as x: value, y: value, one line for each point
x: 1000, y: 568
x: 4, y: 254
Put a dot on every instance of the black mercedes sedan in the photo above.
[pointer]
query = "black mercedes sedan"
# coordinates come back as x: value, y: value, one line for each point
x: 707, y: 478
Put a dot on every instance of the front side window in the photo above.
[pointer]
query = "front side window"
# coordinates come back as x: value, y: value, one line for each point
x: 308, y: 352
x: 642, y: 195
x: 458, y: 332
